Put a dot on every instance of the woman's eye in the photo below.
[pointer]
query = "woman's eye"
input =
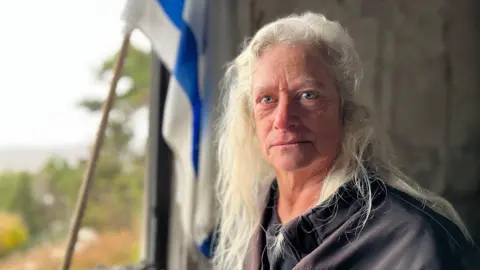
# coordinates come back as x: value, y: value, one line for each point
x: 309, y: 95
x: 267, y: 99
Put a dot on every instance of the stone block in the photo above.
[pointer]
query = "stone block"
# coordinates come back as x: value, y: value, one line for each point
x: 465, y: 70
x: 271, y: 10
x: 300, y: 6
x: 467, y: 208
x: 365, y: 34
x: 419, y: 103
x: 415, y: 8
x: 385, y: 92
x: 421, y: 163
x: 463, y: 169
x: 383, y: 10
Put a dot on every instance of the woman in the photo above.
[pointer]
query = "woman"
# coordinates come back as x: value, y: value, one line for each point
x: 306, y: 180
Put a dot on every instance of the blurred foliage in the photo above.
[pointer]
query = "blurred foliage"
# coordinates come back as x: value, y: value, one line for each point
x: 16, y: 197
x: 136, y: 74
x: 110, y: 249
x: 45, y: 200
x: 13, y: 233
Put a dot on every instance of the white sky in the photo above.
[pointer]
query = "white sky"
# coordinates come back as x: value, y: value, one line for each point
x: 49, y: 50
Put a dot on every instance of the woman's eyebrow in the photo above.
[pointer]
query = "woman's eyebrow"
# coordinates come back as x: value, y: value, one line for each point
x: 262, y: 88
x: 297, y: 84
x: 307, y: 82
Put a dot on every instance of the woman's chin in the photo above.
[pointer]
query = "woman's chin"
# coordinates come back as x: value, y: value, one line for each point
x: 291, y: 163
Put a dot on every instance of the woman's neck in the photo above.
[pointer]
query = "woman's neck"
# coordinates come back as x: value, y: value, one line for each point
x: 298, y: 192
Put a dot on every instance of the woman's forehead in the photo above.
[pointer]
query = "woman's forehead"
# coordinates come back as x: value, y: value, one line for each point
x: 291, y: 65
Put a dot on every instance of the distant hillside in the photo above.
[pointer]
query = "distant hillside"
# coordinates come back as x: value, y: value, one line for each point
x: 31, y: 158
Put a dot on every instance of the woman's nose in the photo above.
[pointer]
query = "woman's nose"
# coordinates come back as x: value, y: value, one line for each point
x: 285, y: 114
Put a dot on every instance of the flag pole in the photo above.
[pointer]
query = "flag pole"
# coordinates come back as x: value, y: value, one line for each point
x: 88, y: 177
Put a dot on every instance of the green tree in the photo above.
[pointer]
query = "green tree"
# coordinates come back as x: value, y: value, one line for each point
x: 16, y: 196
x: 62, y: 180
x: 136, y: 73
x: 8, y: 189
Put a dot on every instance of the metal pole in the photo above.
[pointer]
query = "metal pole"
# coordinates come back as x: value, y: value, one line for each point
x: 158, y: 188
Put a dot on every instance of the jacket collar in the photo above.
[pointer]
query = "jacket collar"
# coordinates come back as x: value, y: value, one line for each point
x: 310, y: 229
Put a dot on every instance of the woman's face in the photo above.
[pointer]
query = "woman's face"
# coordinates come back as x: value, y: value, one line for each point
x: 296, y: 108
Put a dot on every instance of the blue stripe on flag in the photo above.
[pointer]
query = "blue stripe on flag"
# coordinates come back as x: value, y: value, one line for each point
x: 186, y: 73
x: 186, y: 69
x: 206, y: 247
x: 174, y: 10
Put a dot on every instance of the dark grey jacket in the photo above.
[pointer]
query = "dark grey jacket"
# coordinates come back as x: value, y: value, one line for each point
x: 401, y: 233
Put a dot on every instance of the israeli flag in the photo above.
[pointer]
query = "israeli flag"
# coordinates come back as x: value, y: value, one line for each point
x: 178, y: 32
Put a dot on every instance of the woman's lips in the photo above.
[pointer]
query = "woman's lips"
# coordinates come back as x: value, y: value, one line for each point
x: 291, y: 142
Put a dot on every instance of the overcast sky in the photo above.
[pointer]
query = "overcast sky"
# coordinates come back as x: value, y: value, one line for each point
x: 49, y: 51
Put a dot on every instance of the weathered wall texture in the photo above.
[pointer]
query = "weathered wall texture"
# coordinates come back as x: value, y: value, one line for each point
x: 421, y: 75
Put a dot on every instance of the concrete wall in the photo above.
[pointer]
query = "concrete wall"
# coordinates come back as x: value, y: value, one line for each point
x: 421, y: 76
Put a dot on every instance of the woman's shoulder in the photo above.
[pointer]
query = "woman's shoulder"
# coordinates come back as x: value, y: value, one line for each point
x: 398, y: 207
x: 414, y: 228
